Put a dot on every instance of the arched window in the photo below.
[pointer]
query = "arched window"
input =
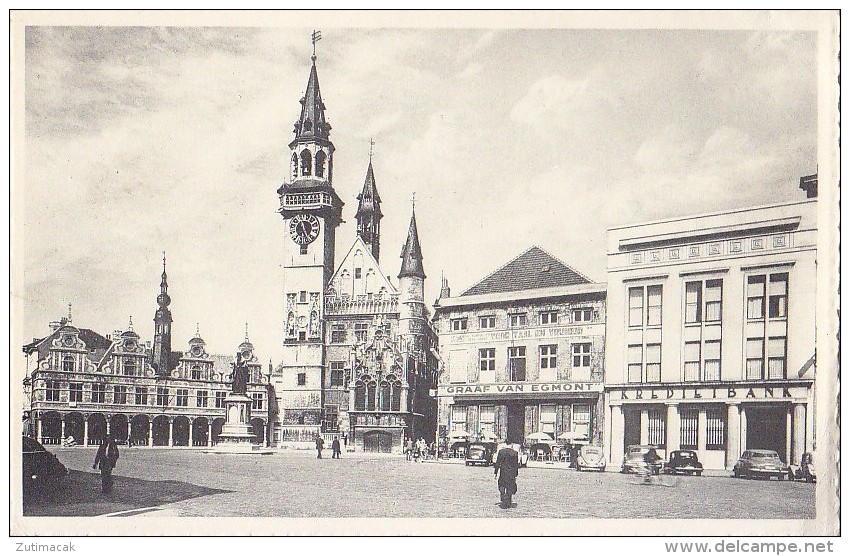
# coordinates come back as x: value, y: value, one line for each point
x: 395, y: 396
x: 130, y: 366
x: 385, y: 396
x: 196, y: 372
x: 69, y: 363
x: 320, y: 164
x: 360, y: 396
x: 294, y: 169
x: 370, y: 396
x: 306, y: 162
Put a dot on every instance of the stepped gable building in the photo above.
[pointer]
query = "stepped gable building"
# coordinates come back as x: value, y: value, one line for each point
x: 359, y: 352
x: 523, y: 353
x: 711, y: 333
x: 84, y: 385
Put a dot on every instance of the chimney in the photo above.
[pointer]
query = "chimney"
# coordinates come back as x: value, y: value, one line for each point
x: 54, y: 325
x: 116, y: 333
x: 809, y: 184
x: 445, y: 291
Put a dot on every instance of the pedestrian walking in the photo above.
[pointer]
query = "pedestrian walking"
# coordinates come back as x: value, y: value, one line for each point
x: 506, y: 471
x: 105, y: 459
x: 408, y: 449
x: 335, y: 448
x: 320, y: 443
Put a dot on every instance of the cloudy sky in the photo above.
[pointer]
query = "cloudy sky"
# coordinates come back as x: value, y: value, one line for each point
x: 140, y: 140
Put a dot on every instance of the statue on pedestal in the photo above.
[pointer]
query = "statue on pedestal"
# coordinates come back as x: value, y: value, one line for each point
x: 239, y: 376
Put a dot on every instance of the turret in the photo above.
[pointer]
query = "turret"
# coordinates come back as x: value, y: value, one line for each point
x: 411, y: 282
x: 369, y: 213
x: 161, y: 357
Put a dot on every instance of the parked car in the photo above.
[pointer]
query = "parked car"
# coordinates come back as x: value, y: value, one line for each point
x: 806, y: 471
x: 41, y: 469
x: 634, y: 459
x: 590, y: 457
x: 481, y: 453
x: 683, y: 461
x: 759, y: 464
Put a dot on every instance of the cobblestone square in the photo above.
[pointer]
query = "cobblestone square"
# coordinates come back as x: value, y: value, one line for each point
x: 184, y: 482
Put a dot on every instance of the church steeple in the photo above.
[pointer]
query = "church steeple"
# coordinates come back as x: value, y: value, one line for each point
x: 411, y: 255
x: 311, y: 123
x: 369, y: 213
x: 162, y: 328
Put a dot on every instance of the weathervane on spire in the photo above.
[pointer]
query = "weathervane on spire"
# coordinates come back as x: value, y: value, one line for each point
x: 246, y: 331
x: 69, y: 312
x: 315, y: 37
x: 163, y: 261
x: 413, y: 200
x: 371, y: 145
x: 130, y: 324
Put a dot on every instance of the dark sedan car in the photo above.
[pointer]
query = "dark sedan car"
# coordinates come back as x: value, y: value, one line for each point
x: 683, y: 461
x: 760, y: 464
x: 41, y: 469
x: 480, y: 453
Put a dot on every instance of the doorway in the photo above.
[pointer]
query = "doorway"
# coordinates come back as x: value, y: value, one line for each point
x: 516, y: 423
x: 378, y: 441
x: 766, y: 430
x: 631, y: 427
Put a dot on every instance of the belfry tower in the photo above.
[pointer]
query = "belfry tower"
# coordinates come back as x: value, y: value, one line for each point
x: 162, y: 328
x: 369, y: 213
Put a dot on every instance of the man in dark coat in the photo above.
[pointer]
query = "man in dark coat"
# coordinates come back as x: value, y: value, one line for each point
x: 107, y: 456
x: 336, y: 448
x: 319, y: 445
x: 506, y: 471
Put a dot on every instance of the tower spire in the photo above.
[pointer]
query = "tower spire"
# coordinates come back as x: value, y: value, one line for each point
x: 411, y: 254
x: 162, y: 327
x: 369, y: 211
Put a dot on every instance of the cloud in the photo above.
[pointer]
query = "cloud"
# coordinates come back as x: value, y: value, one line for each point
x: 555, y: 101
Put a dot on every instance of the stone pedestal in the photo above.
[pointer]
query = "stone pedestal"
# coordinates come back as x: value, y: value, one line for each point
x: 236, y: 435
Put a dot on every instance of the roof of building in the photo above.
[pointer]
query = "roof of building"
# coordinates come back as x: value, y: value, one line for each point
x: 369, y: 200
x: 531, y: 270
x: 312, y: 110
x: 94, y: 342
x: 411, y: 254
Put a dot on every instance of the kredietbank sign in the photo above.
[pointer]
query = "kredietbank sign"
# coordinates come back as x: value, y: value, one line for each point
x: 513, y: 388
x: 708, y: 393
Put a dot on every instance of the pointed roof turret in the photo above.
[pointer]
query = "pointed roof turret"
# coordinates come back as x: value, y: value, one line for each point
x: 411, y: 255
x: 311, y: 123
x: 369, y: 200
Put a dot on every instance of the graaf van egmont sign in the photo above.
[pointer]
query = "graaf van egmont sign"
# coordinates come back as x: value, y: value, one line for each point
x: 707, y: 393
x: 526, y: 334
x: 509, y: 388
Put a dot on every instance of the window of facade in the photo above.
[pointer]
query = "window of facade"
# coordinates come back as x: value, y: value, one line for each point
x: 302, y: 379
x: 690, y: 428
x: 459, y: 325
x: 119, y: 395
x: 337, y: 374
x: 202, y: 398
x: 657, y: 427
x: 306, y: 159
x: 196, y: 372
x: 257, y: 401
x: 371, y: 395
x: 69, y: 363
x: 161, y: 395
x: 52, y: 391
x: 320, y: 164
x: 487, y: 322
x: 302, y: 296
x: 715, y: 428
x: 487, y: 359
x: 762, y: 351
x: 487, y: 419
x: 516, y: 320
x: 549, y: 317
x: 141, y: 395
x: 703, y: 313
x: 360, y: 396
x: 358, y: 273
x: 361, y: 332
x: 182, y: 397
x: 581, y: 354
x: 75, y: 391
x: 644, y: 359
x: 581, y: 419
x: 516, y: 363
x: 458, y: 418
x: 337, y: 333
x: 219, y: 399
x: 692, y: 361
x: 130, y: 366
x: 547, y: 419
x: 330, y: 419
x: 583, y: 314
x: 98, y: 392
x: 549, y: 357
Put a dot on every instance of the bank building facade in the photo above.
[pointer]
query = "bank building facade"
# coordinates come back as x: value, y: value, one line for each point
x: 82, y: 385
x: 523, y: 353
x: 711, y: 333
x: 359, y: 353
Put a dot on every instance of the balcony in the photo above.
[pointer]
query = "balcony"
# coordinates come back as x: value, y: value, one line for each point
x: 298, y: 201
x: 360, y: 305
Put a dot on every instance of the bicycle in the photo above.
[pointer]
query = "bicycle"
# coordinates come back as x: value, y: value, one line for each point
x: 646, y: 476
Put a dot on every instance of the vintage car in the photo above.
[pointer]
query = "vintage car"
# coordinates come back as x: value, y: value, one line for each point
x: 635, y: 458
x: 481, y: 453
x: 683, y: 461
x: 757, y: 464
x: 806, y: 471
x: 41, y: 470
x: 590, y: 457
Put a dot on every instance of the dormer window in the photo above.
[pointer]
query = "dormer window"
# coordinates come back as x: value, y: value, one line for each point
x: 130, y: 367
x: 69, y: 363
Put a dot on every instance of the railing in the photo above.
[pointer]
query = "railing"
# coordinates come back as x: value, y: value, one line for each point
x: 297, y: 200
x: 340, y: 306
